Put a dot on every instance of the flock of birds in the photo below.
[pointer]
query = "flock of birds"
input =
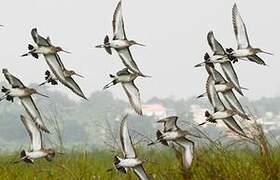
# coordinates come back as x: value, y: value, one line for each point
x: 219, y: 91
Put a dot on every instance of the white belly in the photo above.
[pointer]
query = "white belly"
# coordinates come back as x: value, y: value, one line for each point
x: 223, y: 87
x: 119, y: 44
x: 239, y: 53
x: 36, y: 154
x: 126, y: 78
x: 172, y: 135
x: 129, y: 163
x: 17, y: 92
x: 222, y: 114
x: 43, y: 50
x: 218, y: 58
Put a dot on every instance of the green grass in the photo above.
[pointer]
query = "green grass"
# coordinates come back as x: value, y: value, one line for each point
x: 208, y: 164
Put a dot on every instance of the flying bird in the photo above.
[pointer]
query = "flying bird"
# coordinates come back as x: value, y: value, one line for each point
x: 36, y: 149
x: 174, y: 135
x: 225, y: 88
x: 58, y: 69
x: 120, y: 42
x: 220, y: 56
x: 130, y: 159
x: 24, y: 94
x: 127, y: 80
x: 244, y: 49
x: 44, y: 46
x: 221, y: 112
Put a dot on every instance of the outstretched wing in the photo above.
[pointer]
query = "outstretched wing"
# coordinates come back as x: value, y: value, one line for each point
x: 34, y: 133
x: 13, y: 81
x: 231, y: 76
x: 133, y: 95
x: 187, y: 152
x: 128, y: 61
x: 126, y: 142
x: 256, y: 59
x: 213, y: 96
x: 216, y: 47
x: 140, y: 172
x: 229, y: 95
x: 57, y: 67
x: 169, y: 123
x: 118, y: 25
x: 239, y: 29
x: 33, y: 111
x: 234, y: 126
x: 39, y: 40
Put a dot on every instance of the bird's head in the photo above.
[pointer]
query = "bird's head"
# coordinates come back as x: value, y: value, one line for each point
x: 132, y: 42
x: 59, y: 49
x: 4, y: 70
x: 34, y: 91
x: 258, y: 50
x: 72, y: 72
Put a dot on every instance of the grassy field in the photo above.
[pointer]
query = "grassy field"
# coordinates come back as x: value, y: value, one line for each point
x: 210, y: 163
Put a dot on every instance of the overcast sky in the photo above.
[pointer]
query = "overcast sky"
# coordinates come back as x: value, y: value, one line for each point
x: 174, y: 33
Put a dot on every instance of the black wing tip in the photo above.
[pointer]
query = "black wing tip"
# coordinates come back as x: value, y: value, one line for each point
x: 207, y: 114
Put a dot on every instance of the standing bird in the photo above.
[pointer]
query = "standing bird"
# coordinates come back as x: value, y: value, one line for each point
x: 57, y: 67
x: 173, y: 134
x: 221, y: 112
x: 244, y: 50
x: 24, y: 94
x: 36, y: 149
x: 130, y: 158
x: 120, y: 42
x: 127, y: 80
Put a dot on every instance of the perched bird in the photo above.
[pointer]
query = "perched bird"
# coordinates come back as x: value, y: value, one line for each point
x: 120, y: 42
x: 244, y: 50
x: 127, y: 80
x: 43, y: 48
x: 221, y: 112
x: 24, y: 94
x: 225, y: 88
x: 130, y: 159
x: 173, y: 134
x: 57, y: 67
x: 36, y: 149
x: 220, y: 56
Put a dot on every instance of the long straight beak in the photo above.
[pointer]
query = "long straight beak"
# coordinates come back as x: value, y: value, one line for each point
x: 3, y: 97
x: 202, y: 123
x: 99, y: 46
x: 267, y: 53
x: 108, y: 85
x: 43, y: 83
x: 66, y: 51
x: 42, y: 95
x: 79, y: 75
x: 200, y: 64
x: 140, y: 44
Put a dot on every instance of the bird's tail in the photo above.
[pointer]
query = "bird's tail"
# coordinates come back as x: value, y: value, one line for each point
x: 100, y: 46
x: 206, y: 56
x: 112, y: 83
x: 202, y: 95
x: 159, y: 139
x: 117, y: 160
x: 4, y: 89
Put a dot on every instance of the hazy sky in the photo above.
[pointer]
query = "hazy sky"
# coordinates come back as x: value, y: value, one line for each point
x: 174, y: 33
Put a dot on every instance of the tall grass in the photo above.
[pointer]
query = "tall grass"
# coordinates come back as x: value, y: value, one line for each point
x: 209, y: 163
